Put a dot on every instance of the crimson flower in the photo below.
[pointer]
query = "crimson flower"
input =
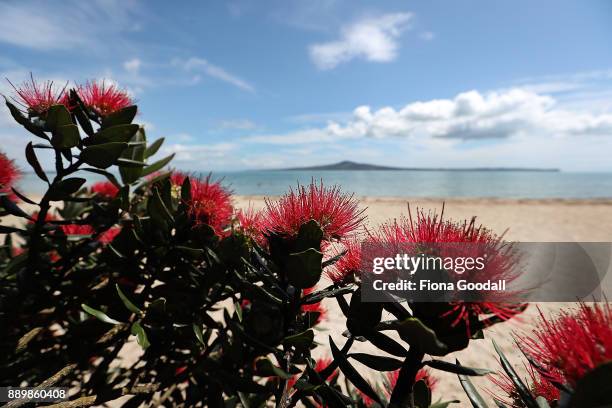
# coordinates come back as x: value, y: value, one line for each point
x: 320, y: 365
x: 538, y: 385
x: 77, y: 229
x: 571, y: 345
x: 337, y: 213
x: 8, y: 175
x: 391, y: 379
x: 436, y: 234
x: 422, y: 374
x: 349, y: 264
x: 103, y: 98
x: 210, y: 202
x: 48, y: 217
x: 38, y: 97
x: 107, y: 236
x: 251, y: 224
x: 105, y: 189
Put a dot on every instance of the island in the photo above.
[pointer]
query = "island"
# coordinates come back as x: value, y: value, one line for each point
x: 350, y: 165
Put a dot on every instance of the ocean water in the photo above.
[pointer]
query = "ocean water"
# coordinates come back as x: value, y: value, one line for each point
x: 501, y: 184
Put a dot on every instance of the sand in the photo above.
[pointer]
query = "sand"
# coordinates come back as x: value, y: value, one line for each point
x: 525, y: 220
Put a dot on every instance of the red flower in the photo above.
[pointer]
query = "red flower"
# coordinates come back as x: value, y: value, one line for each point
x: 349, y: 264
x: 474, y: 241
x: 314, y: 307
x: 107, y: 236
x: 104, y: 99
x: 251, y: 225
x: 210, y: 202
x: 105, y: 189
x: 422, y: 374
x: 37, y: 97
x: 48, y: 217
x: 9, y: 174
x: 391, y: 380
x: 538, y: 385
x: 337, y: 213
x: 571, y: 345
x: 320, y: 365
x: 76, y: 229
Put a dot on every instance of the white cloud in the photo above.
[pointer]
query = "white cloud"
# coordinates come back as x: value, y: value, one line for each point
x: 427, y: 35
x: 214, y: 71
x: 237, y: 124
x: 132, y: 66
x: 468, y: 116
x: 65, y: 25
x: 374, y: 39
x: 199, y: 154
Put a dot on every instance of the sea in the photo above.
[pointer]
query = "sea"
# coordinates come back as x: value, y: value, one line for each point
x: 405, y: 183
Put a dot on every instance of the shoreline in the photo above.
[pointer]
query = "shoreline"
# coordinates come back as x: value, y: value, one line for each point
x: 458, y: 199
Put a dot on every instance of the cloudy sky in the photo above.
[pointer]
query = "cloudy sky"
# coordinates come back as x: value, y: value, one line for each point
x: 256, y: 84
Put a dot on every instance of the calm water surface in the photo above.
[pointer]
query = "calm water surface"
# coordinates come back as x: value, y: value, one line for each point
x: 411, y: 183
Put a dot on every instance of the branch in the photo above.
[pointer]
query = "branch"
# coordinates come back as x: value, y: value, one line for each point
x: 54, y: 379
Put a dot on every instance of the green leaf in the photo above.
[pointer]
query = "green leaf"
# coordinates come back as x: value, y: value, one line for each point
x: 109, y: 176
x: 158, y: 305
x: 131, y: 166
x: 300, y: 340
x: 455, y: 368
x: 421, y: 393
x: 444, y: 404
x: 119, y: 133
x: 66, y: 136
x: 593, y: 390
x: 103, y: 155
x: 415, y: 333
x: 128, y: 164
x: 57, y: 116
x: 186, y: 190
x: 65, y: 188
x: 304, y: 268
x: 120, y: 117
x: 157, y: 165
x: 158, y: 210
x: 473, y: 395
x: 25, y: 122
x: 309, y: 236
x: 154, y: 147
x: 128, y: 304
x: 362, y: 316
x: 351, y: 373
x: 543, y: 403
x: 99, y: 314
x: 238, y: 309
x: 197, y: 330
x: 520, y: 387
x: 83, y: 120
x: 5, y: 229
x: 141, y: 336
x: 16, y: 113
x: 385, y: 343
x: 378, y: 363
x: 33, y: 161
x: 265, y: 368
x: 10, y: 207
x: 328, y: 292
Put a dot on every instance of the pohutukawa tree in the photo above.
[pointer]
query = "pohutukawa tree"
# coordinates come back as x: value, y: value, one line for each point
x: 224, y: 304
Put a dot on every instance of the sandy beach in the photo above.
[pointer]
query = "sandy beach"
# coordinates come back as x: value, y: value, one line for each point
x: 524, y: 220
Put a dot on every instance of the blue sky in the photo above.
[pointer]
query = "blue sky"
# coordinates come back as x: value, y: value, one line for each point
x: 257, y: 84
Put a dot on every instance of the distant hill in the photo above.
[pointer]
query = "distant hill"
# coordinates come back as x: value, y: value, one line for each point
x: 350, y: 165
